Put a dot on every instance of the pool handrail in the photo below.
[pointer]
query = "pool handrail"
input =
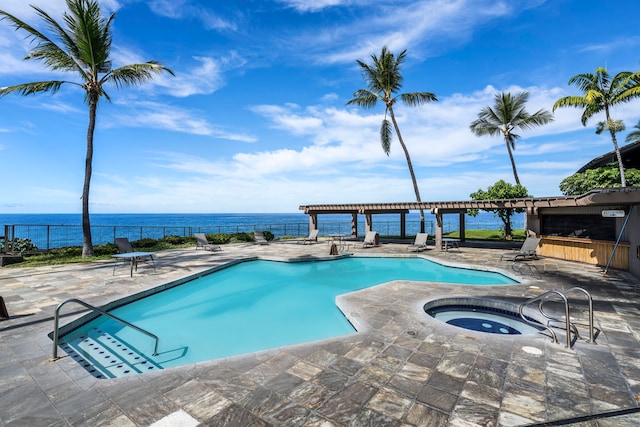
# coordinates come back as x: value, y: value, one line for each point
x: 56, y: 319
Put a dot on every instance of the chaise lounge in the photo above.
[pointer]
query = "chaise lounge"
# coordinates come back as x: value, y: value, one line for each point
x: 370, y: 239
x: 526, y: 251
x: 203, y: 243
x: 420, y: 244
x: 258, y: 236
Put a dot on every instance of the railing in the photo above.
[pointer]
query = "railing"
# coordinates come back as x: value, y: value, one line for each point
x: 56, y: 320
x: 554, y: 295
x: 51, y: 236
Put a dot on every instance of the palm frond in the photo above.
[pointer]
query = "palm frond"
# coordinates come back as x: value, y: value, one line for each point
x: 364, y: 98
x: 33, y: 88
x: 135, y: 74
x: 570, y: 101
x: 386, y: 133
x: 635, y: 135
x: 417, y: 98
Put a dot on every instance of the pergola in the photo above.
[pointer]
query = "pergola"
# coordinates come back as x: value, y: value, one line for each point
x: 602, y: 197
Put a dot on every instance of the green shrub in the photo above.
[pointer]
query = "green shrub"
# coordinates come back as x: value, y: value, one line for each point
x: 177, y: 240
x: 241, y: 237
x: 268, y: 235
x: 106, y: 249
x: 219, y: 238
x: 144, y: 243
x: 71, y: 251
x: 20, y: 245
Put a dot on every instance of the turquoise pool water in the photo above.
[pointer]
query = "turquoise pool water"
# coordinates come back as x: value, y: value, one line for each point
x: 244, y: 308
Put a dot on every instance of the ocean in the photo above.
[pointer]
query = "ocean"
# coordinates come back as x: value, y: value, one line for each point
x: 60, y: 230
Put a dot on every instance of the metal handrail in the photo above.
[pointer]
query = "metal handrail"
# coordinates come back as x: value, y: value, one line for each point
x: 102, y: 312
x: 590, y: 301
x: 543, y: 296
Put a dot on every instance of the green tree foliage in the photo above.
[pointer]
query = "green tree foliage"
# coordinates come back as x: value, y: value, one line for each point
x: 502, y: 190
x: 604, y: 177
x: 600, y: 92
x: 384, y: 79
x: 507, y: 115
x: 83, y: 48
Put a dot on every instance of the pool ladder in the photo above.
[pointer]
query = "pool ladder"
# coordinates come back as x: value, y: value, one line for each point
x: 56, y: 319
x: 569, y: 326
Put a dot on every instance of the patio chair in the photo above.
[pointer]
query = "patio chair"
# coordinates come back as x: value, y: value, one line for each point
x: 370, y: 239
x: 313, y: 237
x: 202, y: 242
x: 526, y: 251
x: 259, y: 238
x: 420, y: 244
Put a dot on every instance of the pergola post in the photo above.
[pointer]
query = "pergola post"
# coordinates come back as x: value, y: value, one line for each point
x: 354, y: 225
x: 368, y: 222
x: 313, y: 222
x: 403, y: 222
x: 462, y: 226
x: 439, y: 221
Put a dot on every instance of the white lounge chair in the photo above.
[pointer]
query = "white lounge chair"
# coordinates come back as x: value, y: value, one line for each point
x: 313, y: 237
x: 370, y: 239
x: 420, y: 244
x: 526, y: 251
x: 203, y: 243
x: 258, y: 236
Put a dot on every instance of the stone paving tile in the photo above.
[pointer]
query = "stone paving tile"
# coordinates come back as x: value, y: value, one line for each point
x: 403, y: 369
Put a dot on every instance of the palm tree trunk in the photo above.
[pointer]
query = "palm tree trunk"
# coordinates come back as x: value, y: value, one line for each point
x: 87, y: 244
x: 413, y: 175
x: 616, y: 149
x: 623, y: 181
x: 513, y: 163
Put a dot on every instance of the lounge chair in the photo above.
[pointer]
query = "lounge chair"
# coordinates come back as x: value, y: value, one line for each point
x: 526, y: 251
x: 370, y: 239
x: 313, y: 237
x: 259, y: 238
x: 202, y: 242
x: 420, y: 244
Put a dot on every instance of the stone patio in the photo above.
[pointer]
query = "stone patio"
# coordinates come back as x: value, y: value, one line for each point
x: 403, y: 368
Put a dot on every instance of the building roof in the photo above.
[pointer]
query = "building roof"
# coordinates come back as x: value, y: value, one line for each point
x: 630, y: 158
x: 602, y: 197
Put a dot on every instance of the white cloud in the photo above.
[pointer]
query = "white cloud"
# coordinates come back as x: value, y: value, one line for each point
x: 162, y: 116
x: 181, y: 9
x: 313, y: 5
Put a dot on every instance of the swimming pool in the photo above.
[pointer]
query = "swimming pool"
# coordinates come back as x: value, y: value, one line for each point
x: 244, y: 308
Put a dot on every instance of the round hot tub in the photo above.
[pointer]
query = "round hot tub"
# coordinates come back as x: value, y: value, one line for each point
x: 483, y: 315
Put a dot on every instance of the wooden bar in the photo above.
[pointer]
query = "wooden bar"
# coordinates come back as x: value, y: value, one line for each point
x: 596, y: 252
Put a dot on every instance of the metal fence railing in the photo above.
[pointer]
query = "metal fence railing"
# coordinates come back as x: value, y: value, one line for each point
x: 50, y: 236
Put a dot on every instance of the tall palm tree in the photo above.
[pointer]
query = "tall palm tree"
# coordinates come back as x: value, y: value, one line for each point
x: 83, y: 48
x: 507, y: 115
x: 600, y: 93
x: 384, y: 80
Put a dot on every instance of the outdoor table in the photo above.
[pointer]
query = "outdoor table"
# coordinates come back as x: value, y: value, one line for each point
x: 450, y: 243
x: 133, y: 258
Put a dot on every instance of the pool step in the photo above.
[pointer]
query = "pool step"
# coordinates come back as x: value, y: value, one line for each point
x: 105, y: 356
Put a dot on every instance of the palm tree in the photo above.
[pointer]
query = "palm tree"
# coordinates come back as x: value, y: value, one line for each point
x: 384, y: 80
x: 507, y: 115
x: 83, y: 48
x: 601, y: 93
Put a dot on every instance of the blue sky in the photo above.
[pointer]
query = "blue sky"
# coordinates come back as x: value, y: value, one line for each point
x: 255, y: 119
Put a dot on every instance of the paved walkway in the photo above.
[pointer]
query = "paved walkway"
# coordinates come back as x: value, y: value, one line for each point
x: 402, y: 368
